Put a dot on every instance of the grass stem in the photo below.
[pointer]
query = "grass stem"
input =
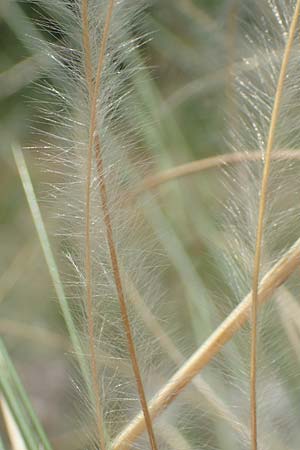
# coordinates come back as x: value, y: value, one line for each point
x: 260, y: 223
x: 279, y: 273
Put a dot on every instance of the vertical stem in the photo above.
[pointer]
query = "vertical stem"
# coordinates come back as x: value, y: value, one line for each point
x: 121, y: 296
x: 88, y: 264
x: 94, y: 139
x: 260, y: 224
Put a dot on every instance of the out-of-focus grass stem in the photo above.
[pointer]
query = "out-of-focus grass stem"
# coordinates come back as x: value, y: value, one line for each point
x: 48, y: 254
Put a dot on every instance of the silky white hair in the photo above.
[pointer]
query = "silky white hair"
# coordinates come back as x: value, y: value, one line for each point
x: 218, y: 398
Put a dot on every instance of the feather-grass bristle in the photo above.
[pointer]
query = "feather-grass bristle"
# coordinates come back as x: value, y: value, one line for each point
x: 113, y: 275
x: 97, y: 227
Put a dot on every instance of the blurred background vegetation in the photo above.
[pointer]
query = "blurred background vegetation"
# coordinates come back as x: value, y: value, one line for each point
x: 189, y: 55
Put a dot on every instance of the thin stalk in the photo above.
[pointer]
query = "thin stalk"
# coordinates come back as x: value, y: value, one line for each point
x: 183, y: 170
x: 15, y: 437
x: 48, y: 254
x: 260, y: 223
x: 279, y: 273
x: 94, y: 138
x: 14, y: 405
x: 121, y: 297
x: 20, y: 421
x: 18, y: 388
x: 88, y: 262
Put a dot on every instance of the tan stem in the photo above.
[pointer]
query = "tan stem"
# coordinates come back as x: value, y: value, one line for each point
x: 13, y: 432
x: 94, y: 138
x: 271, y: 281
x: 88, y: 263
x: 260, y: 222
x: 153, y: 181
x: 121, y: 296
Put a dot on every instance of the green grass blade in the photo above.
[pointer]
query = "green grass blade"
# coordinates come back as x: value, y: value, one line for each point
x: 14, y: 403
x: 24, y: 398
x: 49, y: 257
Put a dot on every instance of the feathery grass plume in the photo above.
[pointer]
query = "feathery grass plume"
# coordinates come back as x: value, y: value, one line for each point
x: 267, y: 105
x: 111, y: 280
x: 100, y: 228
x: 261, y: 217
x: 264, y: 210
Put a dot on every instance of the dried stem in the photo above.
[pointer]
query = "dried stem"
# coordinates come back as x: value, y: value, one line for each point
x: 260, y: 224
x: 13, y: 432
x: 88, y: 265
x: 271, y: 281
x: 200, y: 165
x: 95, y: 139
x: 121, y: 296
